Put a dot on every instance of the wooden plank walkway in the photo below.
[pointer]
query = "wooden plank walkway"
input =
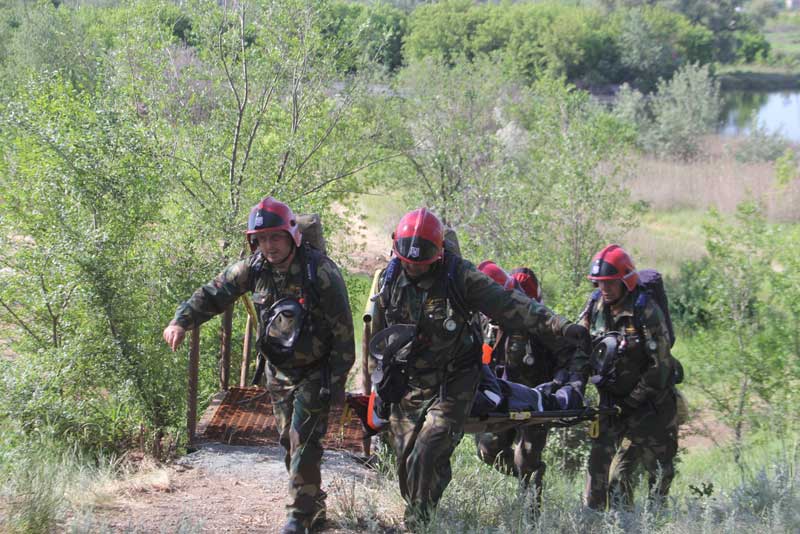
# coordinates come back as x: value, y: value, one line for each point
x: 243, y: 416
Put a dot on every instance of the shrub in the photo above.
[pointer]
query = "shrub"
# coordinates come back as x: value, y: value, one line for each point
x: 684, y: 109
x: 689, y: 295
x: 761, y: 145
x: 752, y: 47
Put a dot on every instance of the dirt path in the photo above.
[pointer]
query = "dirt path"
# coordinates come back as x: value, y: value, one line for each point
x: 224, y: 488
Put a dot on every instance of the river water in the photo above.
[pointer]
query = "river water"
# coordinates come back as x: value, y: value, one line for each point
x: 777, y: 111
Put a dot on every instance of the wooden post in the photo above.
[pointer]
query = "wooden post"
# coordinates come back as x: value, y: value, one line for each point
x: 366, y: 379
x: 194, y: 364
x: 225, y: 349
x: 246, y: 352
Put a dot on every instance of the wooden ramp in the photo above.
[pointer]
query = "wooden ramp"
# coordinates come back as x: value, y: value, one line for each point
x: 243, y: 416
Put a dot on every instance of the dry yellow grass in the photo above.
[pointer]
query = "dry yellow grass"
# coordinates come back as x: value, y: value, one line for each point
x: 681, y: 193
x: 717, y: 180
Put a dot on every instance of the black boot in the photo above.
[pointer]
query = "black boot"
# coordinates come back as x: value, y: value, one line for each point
x: 294, y: 526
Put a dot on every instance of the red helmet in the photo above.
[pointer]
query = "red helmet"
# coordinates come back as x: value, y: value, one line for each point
x: 419, y: 237
x: 271, y: 215
x: 527, y: 281
x: 613, y: 263
x: 493, y: 271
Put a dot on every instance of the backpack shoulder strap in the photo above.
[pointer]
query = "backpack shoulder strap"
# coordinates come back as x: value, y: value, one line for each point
x: 638, y: 309
x: 256, y: 268
x: 389, y: 276
x: 311, y: 258
x: 588, y: 310
x: 452, y: 289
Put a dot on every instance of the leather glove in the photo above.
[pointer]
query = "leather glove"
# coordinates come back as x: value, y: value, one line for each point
x: 625, y: 408
x: 569, y: 397
x: 579, y: 336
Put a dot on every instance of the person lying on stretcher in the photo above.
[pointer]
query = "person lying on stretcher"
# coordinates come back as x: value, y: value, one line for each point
x: 495, y: 396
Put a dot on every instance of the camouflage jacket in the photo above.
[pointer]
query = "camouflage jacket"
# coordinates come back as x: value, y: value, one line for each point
x: 327, y: 336
x: 644, y: 369
x: 440, y: 350
x: 533, y: 360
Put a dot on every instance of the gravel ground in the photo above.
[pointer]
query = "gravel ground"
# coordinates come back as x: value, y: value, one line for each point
x: 225, y: 488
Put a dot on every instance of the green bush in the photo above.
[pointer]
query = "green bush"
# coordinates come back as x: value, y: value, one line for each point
x: 366, y: 34
x: 684, y: 109
x: 689, y: 296
x: 752, y: 47
x: 443, y: 31
x: 761, y: 145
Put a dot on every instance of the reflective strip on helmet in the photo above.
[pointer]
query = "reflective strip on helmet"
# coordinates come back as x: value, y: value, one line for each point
x: 262, y: 220
x: 416, y: 249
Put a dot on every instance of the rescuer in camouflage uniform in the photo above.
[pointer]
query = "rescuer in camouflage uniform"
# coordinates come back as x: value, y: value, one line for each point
x: 423, y: 287
x: 530, y: 360
x: 640, y: 387
x: 305, y: 379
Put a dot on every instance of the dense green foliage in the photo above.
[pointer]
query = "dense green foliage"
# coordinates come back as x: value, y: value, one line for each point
x: 584, y: 44
x: 134, y: 138
x: 127, y: 179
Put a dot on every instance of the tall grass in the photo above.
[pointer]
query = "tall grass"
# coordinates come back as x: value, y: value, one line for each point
x: 43, y: 485
x: 765, y: 498
x: 717, y: 181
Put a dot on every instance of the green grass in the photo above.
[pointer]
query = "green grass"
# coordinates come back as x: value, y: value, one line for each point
x: 783, y: 34
x: 764, y: 499
x: 666, y: 239
x: 43, y: 485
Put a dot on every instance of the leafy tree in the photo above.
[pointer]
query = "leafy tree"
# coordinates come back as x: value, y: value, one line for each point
x: 43, y: 38
x: 442, y: 31
x: 569, y: 197
x: 683, y: 110
x: 746, y: 366
x: 724, y: 18
x: 150, y: 170
x: 447, y: 135
x: 654, y: 43
x: 372, y: 32
x: 83, y: 184
x: 752, y: 47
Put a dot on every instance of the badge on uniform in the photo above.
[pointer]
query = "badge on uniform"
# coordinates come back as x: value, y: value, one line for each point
x: 450, y: 324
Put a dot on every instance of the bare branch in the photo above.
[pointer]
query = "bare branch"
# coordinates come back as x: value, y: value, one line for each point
x: 21, y: 323
x: 224, y: 62
x: 53, y: 316
x: 340, y: 176
x: 264, y: 100
x: 200, y: 175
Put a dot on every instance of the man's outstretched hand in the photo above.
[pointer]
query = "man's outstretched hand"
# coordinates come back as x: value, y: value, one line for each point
x: 173, y: 335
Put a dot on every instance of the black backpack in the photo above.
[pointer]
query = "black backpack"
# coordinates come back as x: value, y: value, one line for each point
x: 651, y: 285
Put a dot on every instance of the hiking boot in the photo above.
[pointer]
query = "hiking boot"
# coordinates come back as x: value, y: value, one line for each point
x: 294, y: 526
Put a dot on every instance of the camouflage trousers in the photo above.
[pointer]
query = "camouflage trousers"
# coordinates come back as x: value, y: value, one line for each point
x: 650, y: 437
x: 518, y: 452
x: 426, y: 427
x: 302, y: 421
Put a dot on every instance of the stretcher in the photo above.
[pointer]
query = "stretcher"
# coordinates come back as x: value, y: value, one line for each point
x: 499, y: 421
